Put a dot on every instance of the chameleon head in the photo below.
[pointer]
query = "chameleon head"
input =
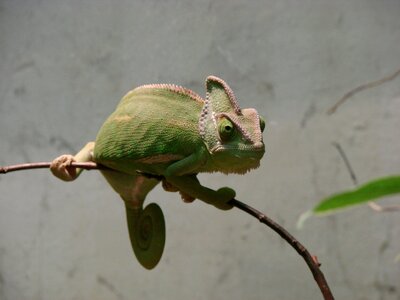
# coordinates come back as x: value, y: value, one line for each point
x: 233, y: 136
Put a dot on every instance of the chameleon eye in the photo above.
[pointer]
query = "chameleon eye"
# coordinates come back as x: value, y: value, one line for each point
x: 225, y: 129
x: 262, y: 124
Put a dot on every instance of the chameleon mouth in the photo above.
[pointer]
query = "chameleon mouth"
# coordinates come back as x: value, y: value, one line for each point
x: 242, y: 151
x: 243, y: 148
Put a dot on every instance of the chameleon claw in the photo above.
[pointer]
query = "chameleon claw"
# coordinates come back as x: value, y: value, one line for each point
x: 225, y: 195
x: 169, y: 187
x: 61, y: 167
x: 186, y: 197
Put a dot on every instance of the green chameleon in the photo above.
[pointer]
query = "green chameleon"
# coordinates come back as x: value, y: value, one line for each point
x: 164, y: 132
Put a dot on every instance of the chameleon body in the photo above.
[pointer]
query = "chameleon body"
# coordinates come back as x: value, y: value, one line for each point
x: 167, y: 133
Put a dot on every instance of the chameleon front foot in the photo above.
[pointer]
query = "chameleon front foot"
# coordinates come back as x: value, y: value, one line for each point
x: 147, y: 234
x: 61, y: 167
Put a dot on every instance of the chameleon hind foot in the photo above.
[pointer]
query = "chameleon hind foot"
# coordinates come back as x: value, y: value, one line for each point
x: 147, y: 234
x: 225, y: 195
x: 61, y: 167
x: 186, y: 197
x: 168, y: 187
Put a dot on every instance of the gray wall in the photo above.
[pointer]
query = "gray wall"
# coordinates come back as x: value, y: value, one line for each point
x: 64, y: 66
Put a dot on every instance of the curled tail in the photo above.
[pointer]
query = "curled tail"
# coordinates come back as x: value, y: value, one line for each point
x: 146, y: 226
x: 147, y: 233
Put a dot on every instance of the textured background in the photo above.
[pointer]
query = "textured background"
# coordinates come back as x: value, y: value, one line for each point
x: 64, y: 66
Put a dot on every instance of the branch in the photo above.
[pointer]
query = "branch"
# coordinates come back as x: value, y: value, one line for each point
x: 361, y: 88
x: 46, y: 165
x: 379, y: 208
x: 346, y: 162
x: 311, y: 261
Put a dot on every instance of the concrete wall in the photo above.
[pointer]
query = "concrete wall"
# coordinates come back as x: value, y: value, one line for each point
x: 64, y: 66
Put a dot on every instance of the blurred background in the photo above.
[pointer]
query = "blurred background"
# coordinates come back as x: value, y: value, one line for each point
x: 65, y: 65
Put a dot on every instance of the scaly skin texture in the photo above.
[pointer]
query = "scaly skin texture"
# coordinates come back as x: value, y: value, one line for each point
x: 167, y: 131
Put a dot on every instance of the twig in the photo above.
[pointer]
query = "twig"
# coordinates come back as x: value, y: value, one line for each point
x: 346, y: 162
x: 379, y: 208
x: 311, y: 261
x: 361, y: 88
x: 46, y: 165
x: 372, y: 205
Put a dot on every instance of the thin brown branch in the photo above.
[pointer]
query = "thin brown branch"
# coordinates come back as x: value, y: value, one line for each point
x: 346, y: 162
x: 361, y: 88
x: 46, y: 165
x: 38, y: 165
x: 387, y: 208
x: 311, y: 261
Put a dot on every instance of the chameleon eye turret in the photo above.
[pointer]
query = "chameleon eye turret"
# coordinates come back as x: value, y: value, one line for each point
x: 225, y: 129
x: 262, y: 124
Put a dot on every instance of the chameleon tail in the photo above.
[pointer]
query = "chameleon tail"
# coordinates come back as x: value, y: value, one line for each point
x: 146, y: 226
x: 147, y: 233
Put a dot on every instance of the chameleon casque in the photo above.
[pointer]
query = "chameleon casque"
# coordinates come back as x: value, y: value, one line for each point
x: 167, y: 133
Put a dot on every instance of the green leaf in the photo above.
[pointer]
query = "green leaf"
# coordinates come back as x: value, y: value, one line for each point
x: 370, y: 191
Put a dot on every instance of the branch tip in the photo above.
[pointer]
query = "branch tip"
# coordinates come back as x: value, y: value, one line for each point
x: 360, y: 88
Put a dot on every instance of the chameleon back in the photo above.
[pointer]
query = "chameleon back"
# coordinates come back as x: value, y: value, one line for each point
x: 152, y: 126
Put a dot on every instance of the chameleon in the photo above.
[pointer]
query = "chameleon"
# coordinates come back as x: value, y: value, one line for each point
x: 167, y: 133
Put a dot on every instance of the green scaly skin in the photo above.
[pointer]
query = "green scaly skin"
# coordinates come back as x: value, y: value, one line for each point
x: 168, y: 131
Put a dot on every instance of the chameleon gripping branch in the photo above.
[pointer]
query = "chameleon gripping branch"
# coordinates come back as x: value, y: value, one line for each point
x: 172, y: 133
x: 311, y: 261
